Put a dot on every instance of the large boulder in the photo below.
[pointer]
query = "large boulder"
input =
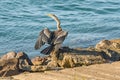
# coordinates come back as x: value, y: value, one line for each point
x: 111, y: 48
x: 12, y: 63
x: 80, y: 56
x: 23, y: 59
x: 9, y: 67
x: 68, y: 57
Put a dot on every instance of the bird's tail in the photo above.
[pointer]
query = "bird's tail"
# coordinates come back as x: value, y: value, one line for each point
x: 47, y: 50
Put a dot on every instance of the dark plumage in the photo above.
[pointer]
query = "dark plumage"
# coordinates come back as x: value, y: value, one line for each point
x: 53, y: 38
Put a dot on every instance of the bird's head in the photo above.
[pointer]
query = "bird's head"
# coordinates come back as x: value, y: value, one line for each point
x: 50, y: 15
x: 56, y: 19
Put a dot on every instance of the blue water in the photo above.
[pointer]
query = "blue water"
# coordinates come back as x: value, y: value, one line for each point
x: 87, y: 21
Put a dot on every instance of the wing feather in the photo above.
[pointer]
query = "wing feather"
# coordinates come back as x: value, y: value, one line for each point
x: 39, y: 43
x: 43, y: 38
x: 61, y: 37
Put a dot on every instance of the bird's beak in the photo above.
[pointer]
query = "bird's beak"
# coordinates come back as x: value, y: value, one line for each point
x: 50, y: 15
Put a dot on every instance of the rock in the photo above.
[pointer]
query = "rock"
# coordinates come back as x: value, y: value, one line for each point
x: 54, y: 59
x: 22, y: 55
x: 23, y: 59
x: 78, y: 57
x: 87, y: 58
x: 111, y: 48
x: 53, y: 64
x: 109, y: 44
x: 33, y: 68
x: 111, y: 55
x: 9, y: 67
x: 115, y: 40
x: 11, y: 63
x: 104, y: 44
x: 8, y: 56
x: 38, y: 68
x: 7, y: 78
x: 67, y: 61
x: 39, y: 60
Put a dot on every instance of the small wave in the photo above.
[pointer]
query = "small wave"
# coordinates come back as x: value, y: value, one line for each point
x: 112, y: 9
x: 96, y: 11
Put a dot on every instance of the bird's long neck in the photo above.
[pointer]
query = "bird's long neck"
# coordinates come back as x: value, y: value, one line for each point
x: 58, y: 26
x: 58, y: 22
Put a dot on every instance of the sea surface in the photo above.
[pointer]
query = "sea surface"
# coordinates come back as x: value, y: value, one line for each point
x: 87, y: 21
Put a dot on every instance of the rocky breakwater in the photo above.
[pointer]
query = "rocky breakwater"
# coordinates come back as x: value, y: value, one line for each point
x: 105, y: 51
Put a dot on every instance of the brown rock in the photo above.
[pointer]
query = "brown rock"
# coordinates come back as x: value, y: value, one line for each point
x: 111, y: 55
x: 9, y: 67
x: 104, y: 44
x: 38, y: 60
x: 7, y: 78
x: 8, y: 56
x: 23, y: 59
x: 67, y: 61
x: 33, y: 68
x: 115, y: 40
x: 78, y: 57
x: 111, y: 48
x: 53, y: 64
x: 109, y: 44
x: 38, y: 68
x: 54, y: 59
x: 21, y: 55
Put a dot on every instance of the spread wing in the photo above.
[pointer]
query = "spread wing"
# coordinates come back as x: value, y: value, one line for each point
x: 43, y: 38
x: 61, y: 37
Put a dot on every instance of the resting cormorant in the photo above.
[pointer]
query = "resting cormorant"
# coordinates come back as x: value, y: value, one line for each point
x: 53, y: 38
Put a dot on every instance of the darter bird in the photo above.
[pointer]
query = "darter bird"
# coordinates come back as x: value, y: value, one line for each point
x: 53, y: 38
